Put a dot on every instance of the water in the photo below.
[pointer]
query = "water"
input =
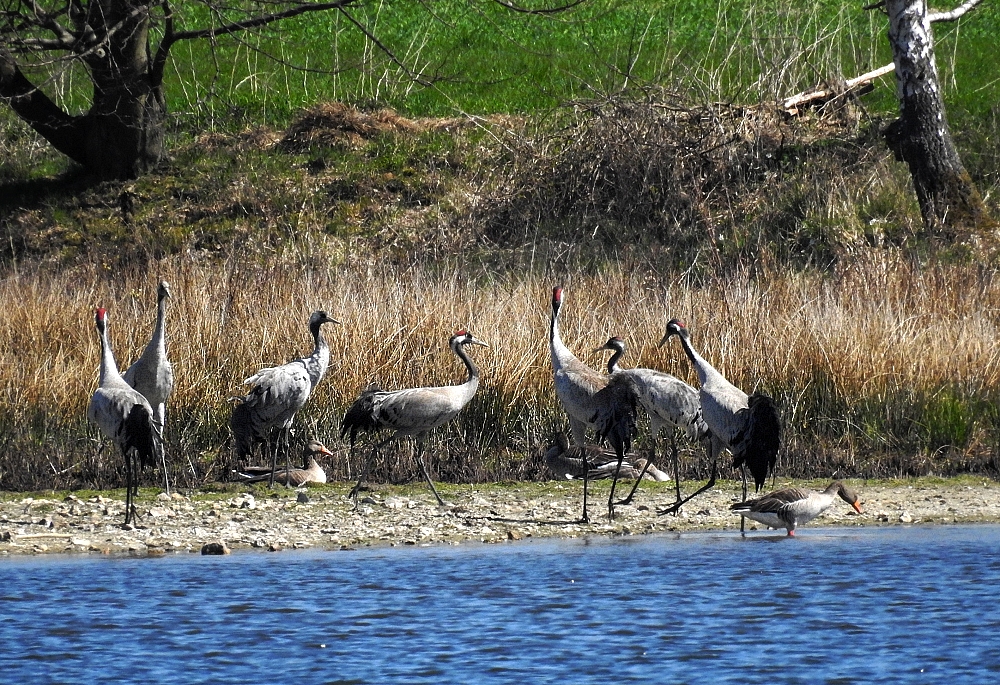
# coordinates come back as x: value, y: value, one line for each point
x: 898, y: 605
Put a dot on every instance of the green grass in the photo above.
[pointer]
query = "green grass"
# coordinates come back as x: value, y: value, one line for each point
x: 487, y: 59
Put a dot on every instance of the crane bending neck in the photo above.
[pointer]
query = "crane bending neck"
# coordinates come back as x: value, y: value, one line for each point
x: 470, y: 366
x: 701, y: 366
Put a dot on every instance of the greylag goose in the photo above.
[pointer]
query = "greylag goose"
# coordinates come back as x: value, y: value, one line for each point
x: 792, y: 507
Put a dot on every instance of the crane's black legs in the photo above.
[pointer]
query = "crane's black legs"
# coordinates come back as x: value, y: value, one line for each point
x: 130, y: 487
x: 158, y: 427
x: 423, y: 469
x: 614, y: 482
x: 676, y: 506
x: 635, y: 486
x: 585, y: 518
x: 743, y: 519
x: 677, y: 466
x: 353, y: 494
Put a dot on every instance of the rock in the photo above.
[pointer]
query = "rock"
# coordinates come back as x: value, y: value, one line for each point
x: 513, y: 535
x: 905, y: 517
x: 160, y: 512
x: 302, y: 498
x: 163, y: 497
x: 217, y: 548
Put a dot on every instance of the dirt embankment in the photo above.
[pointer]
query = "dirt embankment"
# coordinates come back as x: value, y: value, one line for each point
x: 322, y: 517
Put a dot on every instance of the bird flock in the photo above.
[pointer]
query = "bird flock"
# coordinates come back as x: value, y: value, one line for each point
x: 130, y: 410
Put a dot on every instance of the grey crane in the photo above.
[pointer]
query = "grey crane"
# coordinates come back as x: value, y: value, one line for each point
x: 412, y: 411
x: 276, y: 394
x: 311, y: 472
x: 791, y: 507
x: 125, y: 417
x: 668, y: 402
x: 576, y: 384
x: 748, y: 426
x: 152, y: 374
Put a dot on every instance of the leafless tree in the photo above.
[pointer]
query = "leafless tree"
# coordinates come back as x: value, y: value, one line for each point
x: 950, y: 204
x: 124, y: 45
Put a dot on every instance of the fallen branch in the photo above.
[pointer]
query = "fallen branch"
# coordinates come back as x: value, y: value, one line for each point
x: 821, y: 95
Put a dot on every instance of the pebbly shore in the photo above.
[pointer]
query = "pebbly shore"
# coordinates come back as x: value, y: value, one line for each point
x: 235, y: 517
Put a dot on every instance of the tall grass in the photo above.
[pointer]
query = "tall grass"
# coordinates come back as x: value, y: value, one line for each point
x: 883, y: 368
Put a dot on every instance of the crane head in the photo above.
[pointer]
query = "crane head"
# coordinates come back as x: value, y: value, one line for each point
x: 614, y: 343
x: 557, y: 298
x: 464, y: 337
x: 100, y: 318
x: 674, y: 327
x: 319, y: 317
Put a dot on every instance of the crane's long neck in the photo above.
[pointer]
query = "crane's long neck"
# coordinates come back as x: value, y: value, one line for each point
x: 702, y: 367
x: 109, y: 368
x: 560, y: 353
x: 613, y: 361
x: 160, y: 332
x: 319, y: 360
x: 472, y: 382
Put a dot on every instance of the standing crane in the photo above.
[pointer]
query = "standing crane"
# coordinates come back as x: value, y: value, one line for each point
x: 412, y: 411
x: 276, y: 395
x: 151, y: 374
x: 793, y: 506
x: 669, y: 402
x: 311, y: 472
x: 124, y: 416
x: 748, y: 427
x: 576, y: 384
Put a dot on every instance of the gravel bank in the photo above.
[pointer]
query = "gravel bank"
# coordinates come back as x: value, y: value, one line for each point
x: 321, y: 517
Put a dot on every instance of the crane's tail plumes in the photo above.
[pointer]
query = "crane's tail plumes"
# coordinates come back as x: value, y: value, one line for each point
x: 360, y: 416
x: 615, y: 418
x: 141, y: 435
x: 241, y: 423
x: 760, y: 440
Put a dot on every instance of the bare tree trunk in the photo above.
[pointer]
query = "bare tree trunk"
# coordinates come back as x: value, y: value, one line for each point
x: 121, y: 136
x: 949, y: 202
x: 124, y: 127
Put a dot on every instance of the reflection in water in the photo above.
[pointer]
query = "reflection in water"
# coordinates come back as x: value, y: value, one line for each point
x: 832, y: 606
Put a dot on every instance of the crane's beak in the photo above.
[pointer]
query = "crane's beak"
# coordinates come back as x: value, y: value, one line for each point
x: 857, y: 507
x: 477, y: 341
x: 330, y: 319
x: 666, y: 337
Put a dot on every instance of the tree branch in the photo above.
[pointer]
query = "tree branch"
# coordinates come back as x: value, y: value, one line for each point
x: 954, y: 14
x: 551, y: 10
x: 264, y: 20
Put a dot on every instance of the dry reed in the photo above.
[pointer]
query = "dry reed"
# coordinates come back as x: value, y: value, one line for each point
x: 883, y: 368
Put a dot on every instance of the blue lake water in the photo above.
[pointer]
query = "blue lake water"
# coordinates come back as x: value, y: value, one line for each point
x: 897, y: 605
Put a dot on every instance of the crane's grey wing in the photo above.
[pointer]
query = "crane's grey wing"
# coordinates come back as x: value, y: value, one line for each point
x: 278, y: 392
x: 416, y: 410
x: 674, y: 401
x: 125, y: 417
x: 360, y: 416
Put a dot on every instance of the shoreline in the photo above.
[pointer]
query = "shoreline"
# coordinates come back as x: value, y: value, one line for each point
x: 321, y: 517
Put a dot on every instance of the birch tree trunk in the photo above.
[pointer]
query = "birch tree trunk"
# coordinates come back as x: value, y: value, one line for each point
x: 950, y: 205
